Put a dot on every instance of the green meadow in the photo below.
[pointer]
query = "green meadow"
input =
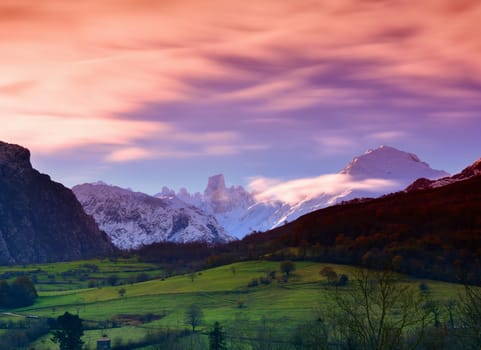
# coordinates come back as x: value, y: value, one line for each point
x: 161, y: 302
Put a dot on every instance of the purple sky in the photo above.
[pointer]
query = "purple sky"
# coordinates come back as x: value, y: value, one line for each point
x: 147, y: 94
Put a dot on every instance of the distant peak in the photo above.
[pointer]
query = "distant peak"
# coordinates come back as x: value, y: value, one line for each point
x: 166, y: 191
x: 215, y: 183
x: 389, y: 162
x: 381, y: 148
x: 99, y: 183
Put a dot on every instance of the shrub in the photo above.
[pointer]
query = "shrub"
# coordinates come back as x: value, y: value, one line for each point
x: 91, y: 283
x: 112, y: 280
x: 253, y: 283
x: 142, y: 277
x: 240, y: 303
x: 343, y: 280
x: 423, y: 287
x: 265, y: 280
x: 287, y: 267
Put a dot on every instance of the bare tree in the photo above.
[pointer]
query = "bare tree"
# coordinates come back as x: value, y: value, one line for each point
x: 194, y: 316
x: 312, y: 335
x: 450, y: 306
x: 470, y: 316
x: 378, y: 310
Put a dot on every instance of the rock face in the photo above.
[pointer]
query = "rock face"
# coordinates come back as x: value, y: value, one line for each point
x: 132, y: 219
x: 229, y: 205
x: 218, y: 199
x: 467, y: 173
x: 41, y: 220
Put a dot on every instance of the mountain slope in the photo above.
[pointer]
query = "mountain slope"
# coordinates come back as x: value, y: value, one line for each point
x: 372, y: 174
x: 132, y: 219
x: 41, y: 220
x: 467, y: 173
x: 434, y: 232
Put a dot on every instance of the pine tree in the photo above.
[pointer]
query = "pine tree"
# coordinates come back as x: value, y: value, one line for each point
x: 217, y: 338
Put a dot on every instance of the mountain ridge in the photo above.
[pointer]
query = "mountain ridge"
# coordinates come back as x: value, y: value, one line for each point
x: 241, y: 212
x: 467, y: 173
x: 432, y: 232
x: 132, y: 219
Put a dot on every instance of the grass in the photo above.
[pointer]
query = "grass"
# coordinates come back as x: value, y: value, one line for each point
x: 218, y: 291
x: 77, y: 274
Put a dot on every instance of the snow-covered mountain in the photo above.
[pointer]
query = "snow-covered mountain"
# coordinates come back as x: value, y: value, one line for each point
x: 372, y: 174
x: 132, y: 219
x: 228, y: 205
x: 390, y: 163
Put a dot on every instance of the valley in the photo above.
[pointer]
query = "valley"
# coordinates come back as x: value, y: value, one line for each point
x: 366, y: 271
x: 240, y: 175
x: 160, y: 303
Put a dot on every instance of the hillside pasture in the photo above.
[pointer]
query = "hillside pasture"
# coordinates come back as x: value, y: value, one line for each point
x: 226, y: 294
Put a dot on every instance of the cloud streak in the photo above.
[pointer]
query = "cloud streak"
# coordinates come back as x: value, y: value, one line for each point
x: 46, y: 134
x: 294, y: 191
x: 106, y: 58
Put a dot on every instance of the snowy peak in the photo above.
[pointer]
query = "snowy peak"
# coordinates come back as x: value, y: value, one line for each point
x: 217, y: 195
x: 390, y: 163
x: 215, y: 184
x: 374, y: 173
x: 217, y: 198
x: 132, y: 219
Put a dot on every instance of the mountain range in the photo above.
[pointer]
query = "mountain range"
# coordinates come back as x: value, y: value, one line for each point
x: 132, y: 219
x: 41, y: 220
x: 432, y: 229
x: 376, y: 172
x: 222, y: 213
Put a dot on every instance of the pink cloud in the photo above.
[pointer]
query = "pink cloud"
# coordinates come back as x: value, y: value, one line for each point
x: 96, y: 60
x: 129, y: 154
x: 46, y: 134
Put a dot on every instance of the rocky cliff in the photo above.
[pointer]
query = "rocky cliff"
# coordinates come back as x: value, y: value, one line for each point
x: 41, y: 220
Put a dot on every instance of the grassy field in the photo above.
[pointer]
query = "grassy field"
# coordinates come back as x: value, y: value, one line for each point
x: 79, y: 274
x: 221, y: 292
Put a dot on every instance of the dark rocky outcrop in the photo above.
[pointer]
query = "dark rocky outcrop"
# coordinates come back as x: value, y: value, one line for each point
x: 41, y: 220
x: 467, y: 173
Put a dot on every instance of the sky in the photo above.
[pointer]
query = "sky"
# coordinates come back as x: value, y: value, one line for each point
x: 143, y: 93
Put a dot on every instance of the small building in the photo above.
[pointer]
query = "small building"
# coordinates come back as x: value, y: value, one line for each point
x: 103, y: 344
